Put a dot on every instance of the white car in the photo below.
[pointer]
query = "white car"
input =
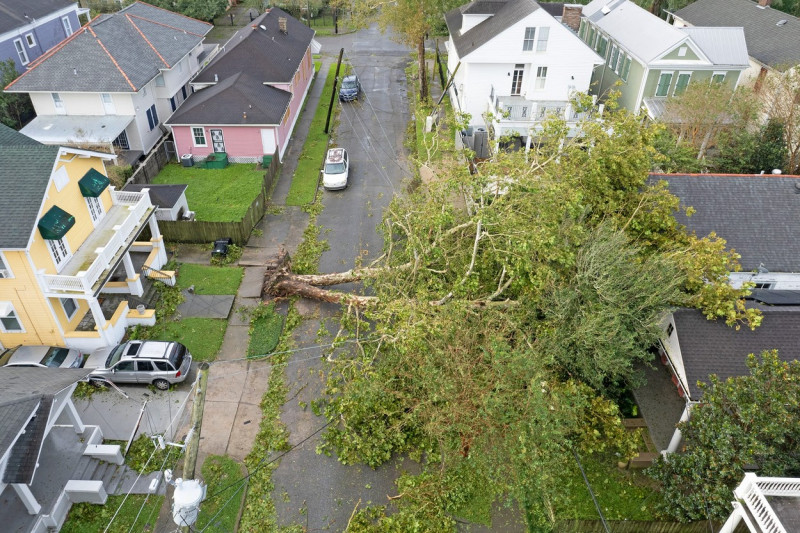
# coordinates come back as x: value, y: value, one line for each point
x: 44, y: 356
x: 337, y: 168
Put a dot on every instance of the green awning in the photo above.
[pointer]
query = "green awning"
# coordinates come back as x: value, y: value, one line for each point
x: 93, y: 183
x: 55, y: 223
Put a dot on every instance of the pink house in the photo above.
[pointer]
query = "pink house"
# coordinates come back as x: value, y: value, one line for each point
x: 246, y: 101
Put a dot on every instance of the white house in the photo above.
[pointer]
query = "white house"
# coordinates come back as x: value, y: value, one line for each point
x: 116, y: 80
x: 517, y: 62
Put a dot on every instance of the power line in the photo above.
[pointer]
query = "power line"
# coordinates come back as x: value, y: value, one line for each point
x: 591, y: 492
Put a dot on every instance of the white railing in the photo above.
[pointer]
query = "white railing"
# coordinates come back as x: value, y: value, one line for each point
x: 518, y: 109
x: 776, y: 486
x: 760, y: 509
x: 138, y: 203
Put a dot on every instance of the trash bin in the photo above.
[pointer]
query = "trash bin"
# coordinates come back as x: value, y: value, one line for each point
x: 266, y: 161
x: 186, y: 160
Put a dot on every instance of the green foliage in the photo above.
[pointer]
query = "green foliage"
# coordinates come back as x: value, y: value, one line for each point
x: 743, y: 420
x: 15, y: 108
x: 205, y: 10
x: 675, y: 156
x: 84, y: 390
x: 232, y: 257
x: 140, y: 456
x: 743, y: 152
x: 305, y: 180
x: 209, y: 279
x: 309, y: 252
x: 84, y: 517
x: 218, y: 195
x: 265, y: 330
x: 220, y: 472
x: 119, y: 174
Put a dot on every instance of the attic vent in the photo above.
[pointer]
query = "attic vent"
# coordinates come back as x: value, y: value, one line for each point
x: 605, y: 10
x: 781, y: 22
x: 282, y: 24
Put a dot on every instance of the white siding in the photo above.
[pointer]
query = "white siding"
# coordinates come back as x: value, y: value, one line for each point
x: 786, y: 281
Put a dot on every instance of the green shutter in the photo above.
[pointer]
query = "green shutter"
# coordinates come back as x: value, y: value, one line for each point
x: 664, y: 81
x: 93, y: 184
x: 682, y: 83
x: 626, y: 68
x: 55, y: 223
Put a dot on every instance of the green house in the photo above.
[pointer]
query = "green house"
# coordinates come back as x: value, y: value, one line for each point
x: 648, y: 60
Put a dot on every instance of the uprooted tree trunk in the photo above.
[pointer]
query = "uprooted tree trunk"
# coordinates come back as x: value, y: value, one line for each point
x: 280, y: 281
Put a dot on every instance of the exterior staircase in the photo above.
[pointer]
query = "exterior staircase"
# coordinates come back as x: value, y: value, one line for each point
x: 117, y: 479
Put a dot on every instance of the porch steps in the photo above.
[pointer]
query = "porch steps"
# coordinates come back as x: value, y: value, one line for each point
x: 117, y: 479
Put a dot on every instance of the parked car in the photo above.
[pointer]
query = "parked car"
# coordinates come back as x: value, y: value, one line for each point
x: 337, y: 169
x: 160, y: 363
x: 43, y: 356
x: 350, y: 89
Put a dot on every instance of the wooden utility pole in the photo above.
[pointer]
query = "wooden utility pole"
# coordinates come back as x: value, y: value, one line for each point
x: 333, y: 94
x: 193, y: 444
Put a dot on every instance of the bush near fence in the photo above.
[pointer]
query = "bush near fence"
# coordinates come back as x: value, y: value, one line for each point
x: 206, y: 232
x: 633, y: 526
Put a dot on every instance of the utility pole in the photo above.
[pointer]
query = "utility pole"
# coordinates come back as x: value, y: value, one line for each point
x: 193, y: 444
x: 333, y: 94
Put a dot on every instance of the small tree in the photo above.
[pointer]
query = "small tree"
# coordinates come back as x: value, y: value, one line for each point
x: 782, y: 94
x: 15, y: 108
x: 743, y: 152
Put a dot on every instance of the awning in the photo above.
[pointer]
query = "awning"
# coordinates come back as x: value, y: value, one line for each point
x: 93, y: 183
x: 71, y: 129
x: 55, y: 223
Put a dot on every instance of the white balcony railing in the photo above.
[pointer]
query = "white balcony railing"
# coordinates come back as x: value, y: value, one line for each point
x: 128, y: 206
x: 518, y: 109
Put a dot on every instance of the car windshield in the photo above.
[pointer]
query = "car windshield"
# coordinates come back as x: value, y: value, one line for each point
x: 115, y: 355
x: 349, y: 84
x: 334, y: 168
x: 55, y: 357
x: 177, y: 355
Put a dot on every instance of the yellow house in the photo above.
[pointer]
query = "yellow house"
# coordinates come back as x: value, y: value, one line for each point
x: 66, y: 239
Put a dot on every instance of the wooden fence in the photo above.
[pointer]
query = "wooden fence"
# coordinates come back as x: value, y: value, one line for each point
x: 634, y: 526
x: 152, y: 165
x: 206, y: 232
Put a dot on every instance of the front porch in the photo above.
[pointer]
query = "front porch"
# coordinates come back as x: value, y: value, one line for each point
x: 516, y: 115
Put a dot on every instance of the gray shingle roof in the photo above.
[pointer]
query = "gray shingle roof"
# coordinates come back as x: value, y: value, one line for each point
x: 25, y: 169
x: 22, y: 460
x: 505, y: 14
x: 268, y: 55
x: 755, y: 214
x: 237, y: 100
x: 118, y: 52
x: 12, y: 12
x: 164, y: 196
x: 770, y: 44
x: 710, y: 347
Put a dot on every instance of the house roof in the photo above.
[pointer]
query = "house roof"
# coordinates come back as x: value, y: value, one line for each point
x: 768, y: 43
x: 25, y: 170
x: 266, y: 53
x: 164, y: 196
x: 711, y: 347
x: 752, y: 213
x: 556, y: 9
x: 13, y: 12
x: 240, y: 99
x: 25, y: 392
x: 722, y: 46
x: 117, y: 52
x: 505, y: 13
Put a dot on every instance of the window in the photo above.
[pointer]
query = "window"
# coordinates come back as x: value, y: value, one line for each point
x: 152, y: 117
x: 23, y: 55
x: 541, y: 42
x: 527, y: 43
x: 762, y: 285
x: 625, y: 69
x: 70, y: 306
x: 670, y: 329
x: 199, y: 135
x: 492, y: 95
x: 183, y: 92
x: 125, y: 366
x: 144, y: 366
x: 612, y: 59
x: 108, y: 104
x: 682, y: 83
x: 620, y: 62
x: 718, y: 77
x: 95, y: 208
x: 664, y: 81
x: 59, y: 250
x: 5, y: 272
x: 58, y: 103
x: 602, y: 46
x: 172, y: 103
x: 516, y: 80
x: 67, y: 25
x: 9, y: 323
x: 30, y: 40
x: 163, y: 366
x: 541, y: 77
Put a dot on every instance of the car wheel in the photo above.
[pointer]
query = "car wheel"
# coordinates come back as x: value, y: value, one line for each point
x: 161, y: 384
x: 99, y: 383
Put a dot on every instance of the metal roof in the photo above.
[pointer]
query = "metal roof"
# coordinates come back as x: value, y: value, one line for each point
x: 722, y: 46
x: 89, y: 129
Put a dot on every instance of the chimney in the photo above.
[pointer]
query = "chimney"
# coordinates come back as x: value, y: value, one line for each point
x: 571, y: 18
x: 764, y: 3
x: 282, y: 24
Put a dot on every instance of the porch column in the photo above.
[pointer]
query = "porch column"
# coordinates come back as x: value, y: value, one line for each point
x: 676, y: 437
x: 97, y: 314
x: 154, y: 232
x: 733, y: 520
x: 128, y: 264
x: 74, y: 417
x: 25, y: 494
x: 132, y: 278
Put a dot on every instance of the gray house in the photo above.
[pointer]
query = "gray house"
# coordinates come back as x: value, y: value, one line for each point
x: 29, y: 28
x: 649, y: 60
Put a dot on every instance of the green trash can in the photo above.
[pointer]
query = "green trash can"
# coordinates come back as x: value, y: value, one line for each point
x: 217, y: 160
x: 267, y: 161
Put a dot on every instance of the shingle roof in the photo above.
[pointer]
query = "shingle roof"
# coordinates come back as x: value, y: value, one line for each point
x: 118, y: 52
x: 755, y: 214
x: 24, y: 455
x: 268, y: 55
x: 164, y: 196
x: 711, y: 347
x: 770, y: 44
x: 12, y: 12
x: 505, y: 14
x: 237, y: 100
x: 25, y: 169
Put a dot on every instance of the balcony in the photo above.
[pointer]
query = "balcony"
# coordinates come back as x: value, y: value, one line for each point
x: 94, y: 261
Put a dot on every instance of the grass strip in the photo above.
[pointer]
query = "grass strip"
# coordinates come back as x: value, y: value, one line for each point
x: 221, y: 512
x: 202, y: 336
x: 85, y: 517
x: 210, y: 279
x: 265, y: 330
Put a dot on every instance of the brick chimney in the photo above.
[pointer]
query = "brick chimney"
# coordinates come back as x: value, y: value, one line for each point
x: 571, y: 17
x: 282, y: 24
x: 764, y: 3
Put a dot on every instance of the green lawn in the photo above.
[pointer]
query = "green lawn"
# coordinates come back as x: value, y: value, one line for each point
x: 202, y: 336
x: 85, y: 517
x: 306, y: 177
x: 222, y: 509
x: 265, y: 330
x: 221, y: 195
x: 210, y: 279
